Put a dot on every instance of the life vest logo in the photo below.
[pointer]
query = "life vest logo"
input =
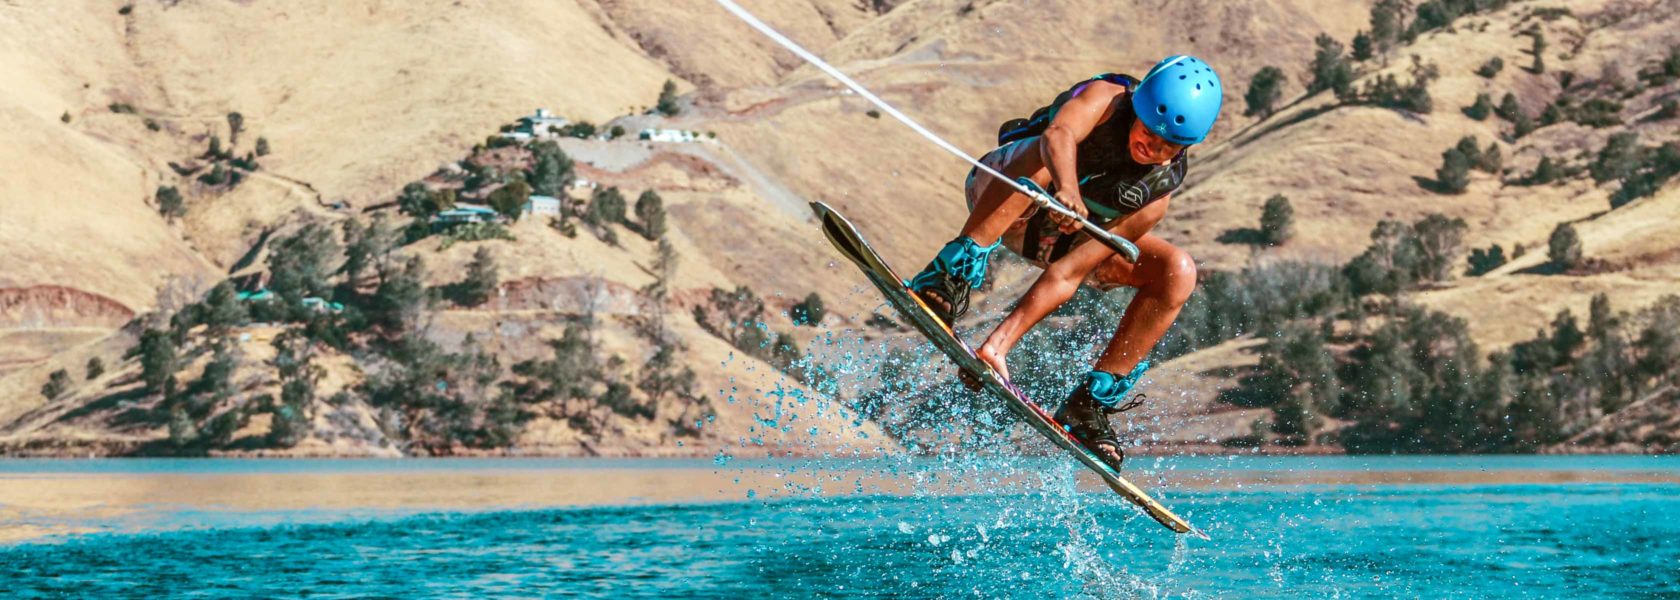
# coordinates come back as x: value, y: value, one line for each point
x: 1133, y: 195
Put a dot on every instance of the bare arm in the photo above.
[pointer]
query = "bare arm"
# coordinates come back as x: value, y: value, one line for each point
x: 1075, y: 121
x: 1062, y: 278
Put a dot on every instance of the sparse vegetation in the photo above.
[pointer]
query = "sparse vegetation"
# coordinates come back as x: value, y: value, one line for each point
x: 808, y: 312
x: 1454, y: 175
x: 1484, y: 261
x: 262, y: 146
x: 1401, y: 256
x: 169, y: 202
x: 1491, y: 68
x: 667, y: 104
x: 1564, y: 247
x: 64, y: 118
x: 650, y: 210
x: 1264, y: 90
x: 510, y: 199
x: 482, y: 278
x: 1329, y: 69
x: 56, y: 384
x: 95, y: 368
x: 1387, y: 92
x: 1277, y: 220
x: 1481, y: 108
x: 551, y: 169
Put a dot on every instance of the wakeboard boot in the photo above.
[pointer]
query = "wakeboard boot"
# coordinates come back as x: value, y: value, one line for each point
x: 958, y: 269
x: 1085, y: 413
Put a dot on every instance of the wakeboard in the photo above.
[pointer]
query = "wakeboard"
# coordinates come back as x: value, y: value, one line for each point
x: 850, y: 243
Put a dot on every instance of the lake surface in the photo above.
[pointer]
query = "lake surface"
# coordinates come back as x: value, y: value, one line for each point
x: 1331, y: 527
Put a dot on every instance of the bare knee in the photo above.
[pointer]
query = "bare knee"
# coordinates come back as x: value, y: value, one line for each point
x: 1177, y: 276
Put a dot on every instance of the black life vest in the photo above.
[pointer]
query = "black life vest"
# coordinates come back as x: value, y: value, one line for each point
x: 1112, y: 184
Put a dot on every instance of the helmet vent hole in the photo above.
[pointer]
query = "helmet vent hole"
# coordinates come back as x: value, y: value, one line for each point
x: 1179, y: 119
x: 1182, y: 76
x: 1198, y: 86
x: 1162, y: 109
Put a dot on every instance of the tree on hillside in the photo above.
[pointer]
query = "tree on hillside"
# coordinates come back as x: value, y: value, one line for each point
x: 1299, y: 380
x: 262, y: 146
x: 293, y: 362
x: 1617, y: 160
x: 481, y: 279
x: 1264, y: 90
x: 667, y: 104
x: 1454, y: 175
x: 650, y: 210
x: 158, y: 361
x: 170, y: 204
x: 606, y: 206
x: 95, y: 368
x: 302, y: 265
x: 1329, y: 69
x: 552, y: 171
x: 417, y: 200
x: 655, y: 294
x: 222, y: 310
x: 1564, y: 247
x: 809, y: 312
x: 1277, y: 220
x: 510, y: 199
x: 734, y: 316
x: 1491, y: 67
x: 402, y: 298
x: 1387, y: 24
x: 1481, y: 108
x: 1440, y: 241
x: 236, y: 124
x: 1508, y: 108
x: 1363, y: 48
x: 1483, y: 261
x: 56, y: 384
x: 1538, y: 49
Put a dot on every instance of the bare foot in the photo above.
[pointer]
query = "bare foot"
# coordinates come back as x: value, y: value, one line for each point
x: 990, y: 355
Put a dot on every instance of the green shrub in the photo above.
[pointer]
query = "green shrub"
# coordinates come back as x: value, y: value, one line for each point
x: 56, y: 384
x: 1563, y: 248
x: 1264, y: 90
x: 1481, y: 108
x: 1329, y: 69
x: 1277, y: 220
x: 1491, y: 67
x: 667, y: 104
x: 1484, y: 261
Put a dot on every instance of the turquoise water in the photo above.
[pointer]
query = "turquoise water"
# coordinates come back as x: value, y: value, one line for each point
x: 1034, y: 540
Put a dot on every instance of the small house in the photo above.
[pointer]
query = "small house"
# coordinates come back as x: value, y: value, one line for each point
x: 542, y: 206
x: 463, y: 214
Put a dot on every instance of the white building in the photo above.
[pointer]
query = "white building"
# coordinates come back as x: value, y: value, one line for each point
x: 668, y: 135
x: 542, y: 205
x: 542, y: 124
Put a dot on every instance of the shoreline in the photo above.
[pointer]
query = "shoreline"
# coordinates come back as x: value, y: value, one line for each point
x: 141, y: 450
x: 45, y: 501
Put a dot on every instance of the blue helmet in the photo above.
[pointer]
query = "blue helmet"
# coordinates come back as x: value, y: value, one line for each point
x: 1179, y: 99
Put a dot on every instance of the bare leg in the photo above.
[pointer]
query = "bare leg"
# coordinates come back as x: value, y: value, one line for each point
x: 1164, y: 277
x: 997, y: 205
x: 1164, y: 282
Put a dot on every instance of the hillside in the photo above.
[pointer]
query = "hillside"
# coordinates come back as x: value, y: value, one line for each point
x: 359, y: 98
